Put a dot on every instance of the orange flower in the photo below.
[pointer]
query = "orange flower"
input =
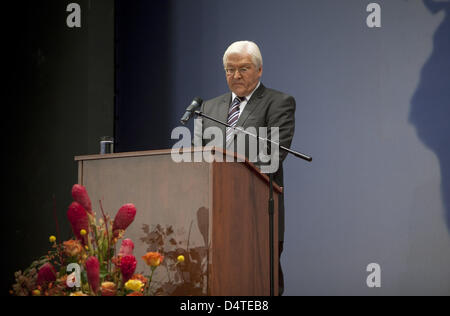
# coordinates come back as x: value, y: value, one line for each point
x: 116, y: 261
x: 108, y: 289
x: 135, y: 294
x: 153, y: 259
x: 140, y: 277
x: 72, y: 247
x: 63, y: 281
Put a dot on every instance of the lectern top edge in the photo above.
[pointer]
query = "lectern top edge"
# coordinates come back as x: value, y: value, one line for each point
x: 168, y: 152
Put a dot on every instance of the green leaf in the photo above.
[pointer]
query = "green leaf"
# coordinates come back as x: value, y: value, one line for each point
x: 103, y: 272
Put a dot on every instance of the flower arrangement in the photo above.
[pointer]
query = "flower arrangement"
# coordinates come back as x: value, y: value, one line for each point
x: 97, y: 270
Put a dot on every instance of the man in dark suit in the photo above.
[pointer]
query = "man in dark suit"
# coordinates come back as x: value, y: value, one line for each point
x: 251, y: 104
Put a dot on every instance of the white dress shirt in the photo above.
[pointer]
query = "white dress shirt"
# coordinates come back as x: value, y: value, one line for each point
x: 244, y: 103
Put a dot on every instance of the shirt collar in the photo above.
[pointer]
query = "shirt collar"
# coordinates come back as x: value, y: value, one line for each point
x: 247, y: 98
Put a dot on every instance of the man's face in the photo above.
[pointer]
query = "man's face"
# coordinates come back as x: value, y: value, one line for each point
x: 242, y: 75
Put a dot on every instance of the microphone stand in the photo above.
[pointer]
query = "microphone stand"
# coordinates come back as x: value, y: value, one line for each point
x: 271, y: 205
x: 293, y: 152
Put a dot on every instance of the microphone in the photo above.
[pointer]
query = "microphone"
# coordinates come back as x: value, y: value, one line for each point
x: 195, y: 104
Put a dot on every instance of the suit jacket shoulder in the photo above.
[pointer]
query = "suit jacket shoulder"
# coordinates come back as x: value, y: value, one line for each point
x: 221, y: 98
x: 275, y: 94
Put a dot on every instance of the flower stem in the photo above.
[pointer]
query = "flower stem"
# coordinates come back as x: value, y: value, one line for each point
x: 107, y: 233
x: 150, y: 281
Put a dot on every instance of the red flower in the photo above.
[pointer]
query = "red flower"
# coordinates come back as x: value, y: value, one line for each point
x: 46, y: 274
x: 78, y: 219
x: 124, y: 217
x: 93, y: 273
x: 81, y: 196
x: 126, y: 248
x: 127, y: 267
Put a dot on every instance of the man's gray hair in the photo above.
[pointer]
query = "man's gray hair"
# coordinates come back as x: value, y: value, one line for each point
x: 242, y: 47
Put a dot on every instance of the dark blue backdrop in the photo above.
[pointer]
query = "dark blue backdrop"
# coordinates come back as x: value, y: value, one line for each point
x: 373, y: 109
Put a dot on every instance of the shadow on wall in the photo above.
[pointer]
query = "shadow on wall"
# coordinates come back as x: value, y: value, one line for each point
x: 430, y: 105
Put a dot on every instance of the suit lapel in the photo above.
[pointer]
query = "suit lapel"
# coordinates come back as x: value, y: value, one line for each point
x: 223, y: 111
x: 251, y: 105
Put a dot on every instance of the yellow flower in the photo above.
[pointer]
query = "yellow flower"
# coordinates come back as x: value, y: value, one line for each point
x: 52, y: 238
x: 83, y: 232
x: 79, y: 293
x: 134, y: 285
x: 180, y: 258
x: 36, y: 293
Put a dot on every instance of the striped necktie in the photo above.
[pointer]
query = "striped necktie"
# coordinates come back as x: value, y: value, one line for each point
x: 233, y: 116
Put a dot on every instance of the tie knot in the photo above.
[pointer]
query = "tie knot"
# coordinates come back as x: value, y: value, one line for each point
x: 238, y: 99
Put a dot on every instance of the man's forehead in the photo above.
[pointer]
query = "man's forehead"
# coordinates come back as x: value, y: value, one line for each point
x: 239, y: 59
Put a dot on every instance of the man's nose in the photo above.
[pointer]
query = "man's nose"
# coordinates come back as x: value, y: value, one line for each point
x: 237, y: 75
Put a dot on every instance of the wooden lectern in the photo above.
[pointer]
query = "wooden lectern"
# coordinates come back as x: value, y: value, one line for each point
x: 214, y: 214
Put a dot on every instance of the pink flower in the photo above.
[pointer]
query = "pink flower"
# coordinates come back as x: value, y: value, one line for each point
x: 93, y: 273
x: 127, y: 267
x: 46, y: 274
x: 124, y: 217
x: 78, y: 219
x: 126, y: 248
x: 80, y: 195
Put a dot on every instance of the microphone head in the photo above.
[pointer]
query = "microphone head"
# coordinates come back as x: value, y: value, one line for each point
x: 197, y: 100
x: 195, y: 104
